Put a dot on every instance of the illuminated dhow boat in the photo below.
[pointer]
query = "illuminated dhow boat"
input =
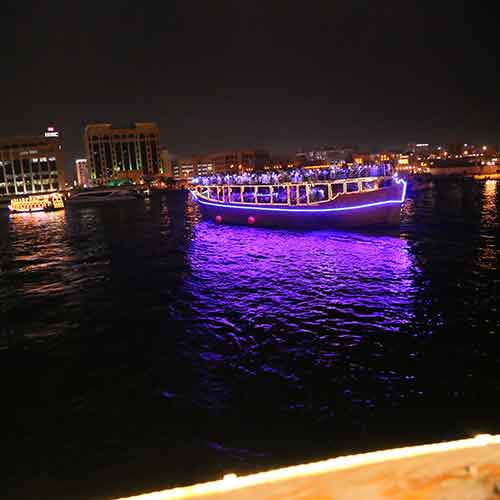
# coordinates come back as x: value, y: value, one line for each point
x: 352, y: 202
x: 42, y: 203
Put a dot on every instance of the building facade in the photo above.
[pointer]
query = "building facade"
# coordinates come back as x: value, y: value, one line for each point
x: 186, y: 167
x: 31, y: 165
x: 82, y: 173
x: 239, y: 161
x: 326, y: 155
x: 120, y: 153
x: 167, y: 161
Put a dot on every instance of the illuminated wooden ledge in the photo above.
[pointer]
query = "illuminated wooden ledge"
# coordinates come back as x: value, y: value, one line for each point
x: 466, y: 469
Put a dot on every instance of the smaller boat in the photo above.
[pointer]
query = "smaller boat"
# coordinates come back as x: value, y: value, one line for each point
x: 486, y: 177
x: 103, y: 196
x: 42, y: 203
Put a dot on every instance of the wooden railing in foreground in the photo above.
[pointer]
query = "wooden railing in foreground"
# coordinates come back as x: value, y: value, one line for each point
x: 466, y: 469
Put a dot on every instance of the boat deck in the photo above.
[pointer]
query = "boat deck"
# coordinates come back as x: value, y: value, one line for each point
x: 466, y: 469
x: 40, y: 203
x: 352, y: 202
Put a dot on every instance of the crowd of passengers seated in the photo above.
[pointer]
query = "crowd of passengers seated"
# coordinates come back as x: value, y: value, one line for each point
x: 296, y: 175
x: 264, y: 195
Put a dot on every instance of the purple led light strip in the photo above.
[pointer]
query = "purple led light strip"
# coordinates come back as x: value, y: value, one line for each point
x: 307, y: 210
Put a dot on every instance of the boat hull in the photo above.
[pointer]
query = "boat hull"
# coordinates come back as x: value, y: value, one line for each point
x: 388, y: 215
x: 95, y: 201
x: 37, y: 211
x: 379, y: 208
x: 88, y: 198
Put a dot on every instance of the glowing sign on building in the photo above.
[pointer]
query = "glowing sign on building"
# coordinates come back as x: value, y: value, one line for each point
x: 51, y: 132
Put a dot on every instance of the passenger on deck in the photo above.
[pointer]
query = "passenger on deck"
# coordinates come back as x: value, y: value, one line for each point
x: 296, y: 175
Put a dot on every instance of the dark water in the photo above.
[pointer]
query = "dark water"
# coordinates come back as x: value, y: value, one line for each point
x: 142, y: 347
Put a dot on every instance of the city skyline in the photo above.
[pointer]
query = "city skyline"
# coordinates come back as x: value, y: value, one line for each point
x: 253, y: 76
x: 71, y: 160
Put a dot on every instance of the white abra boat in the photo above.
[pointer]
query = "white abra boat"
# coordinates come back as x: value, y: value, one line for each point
x: 102, y: 195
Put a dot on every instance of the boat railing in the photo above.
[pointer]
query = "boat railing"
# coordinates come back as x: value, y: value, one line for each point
x: 358, y: 171
x: 290, y: 193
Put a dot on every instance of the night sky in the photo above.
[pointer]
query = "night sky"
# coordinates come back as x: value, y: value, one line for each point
x: 283, y: 75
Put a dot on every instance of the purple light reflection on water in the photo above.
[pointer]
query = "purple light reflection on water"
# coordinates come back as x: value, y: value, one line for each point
x: 337, y: 281
x: 305, y: 321
x: 173, y: 343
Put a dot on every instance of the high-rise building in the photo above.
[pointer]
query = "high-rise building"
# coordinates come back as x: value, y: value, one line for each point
x: 119, y: 153
x: 31, y: 164
x: 82, y: 173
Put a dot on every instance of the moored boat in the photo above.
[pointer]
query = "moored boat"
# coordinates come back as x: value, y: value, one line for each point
x: 42, y: 203
x: 103, y: 195
x: 350, y: 202
x: 486, y: 177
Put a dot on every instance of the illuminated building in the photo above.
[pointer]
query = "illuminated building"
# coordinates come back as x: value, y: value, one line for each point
x: 283, y: 161
x: 419, y: 148
x: 82, y: 173
x: 423, y: 149
x: 51, y: 132
x: 239, y: 161
x: 166, y: 159
x: 187, y: 167
x: 120, y: 153
x: 327, y: 154
x: 403, y: 159
x: 31, y: 164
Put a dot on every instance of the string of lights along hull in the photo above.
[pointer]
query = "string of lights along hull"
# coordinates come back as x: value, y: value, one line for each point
x: 351, y: 202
